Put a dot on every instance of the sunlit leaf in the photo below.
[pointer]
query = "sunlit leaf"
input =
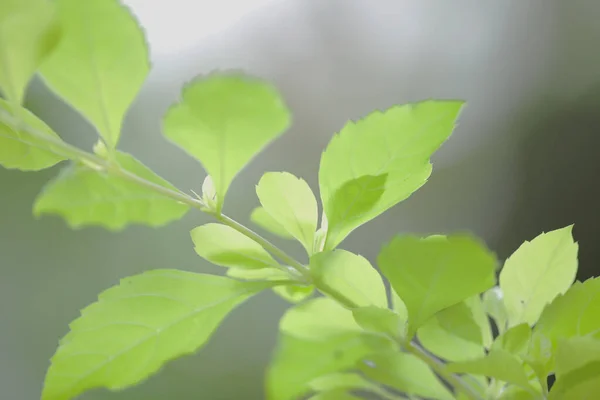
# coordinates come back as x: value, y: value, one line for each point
x: 347, y: 207
x: 137, y: 326
x: 334, y: 395
x: 497, y: 364
x: 29, y: 31
x: 515, y: 340
x: 435, y: 273
x: 577, y: 369
x: 376, y: 319
x: 262, y: 218
x: 453, y: 334
x: 481, y: 318
x: 406, y: 373
x: 536, y: 273
x: 294, y: 293
x: 84, y: 196
x: 224, y: 120
x: 397, y: 142
x: 350, y: 275
x: 342, y: 380
x: 25, y: 141
x: 517, y: 393
x: 224, y: 246
x: 290, y: 202
x: 493, y: 304
x: 258, y: 274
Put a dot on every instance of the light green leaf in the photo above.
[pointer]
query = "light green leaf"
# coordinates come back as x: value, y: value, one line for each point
x: 497, y: 364
x: 406, y: 373
x: 100, y: 63
x: 515, y: 340
x: 494, y: 305
x: 475, y: 304
x: 290, y: 202
x: 224, y: 120
x: 540, y: 356
x: 139, y: 325
x: 536, y: 273
x: 261, y: 274
x: 294, y: 293
x: 224, y: 246
x: 435, y: 273
x: 26, y: 148
x: 577, y: 369
x: 28, y: 33
x: 576, y: 313
x: 318, y: 319
x: 574, y: 353
x: 398, y: 306
x: 298, y: 361
x: 342, y: 380
x: 516, y: 393
x: 84, y: 196
x: 382, y: 320
x: 397, y: 143
x: 262, y: 218
x: 350, y: 275
x: 453, y: 334
x: 347, y: 207
x: 334, y: 395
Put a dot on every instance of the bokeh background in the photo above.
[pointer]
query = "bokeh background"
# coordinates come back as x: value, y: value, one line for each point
x: 522, y: 161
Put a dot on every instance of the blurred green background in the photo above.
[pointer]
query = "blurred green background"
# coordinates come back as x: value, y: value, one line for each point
x: 523, y: 159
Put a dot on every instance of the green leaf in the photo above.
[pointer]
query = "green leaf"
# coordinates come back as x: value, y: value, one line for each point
x: 382, y: 320
x: 84, y: 196
x: 226, y: 247
x: 577, y: 369
x: 453, y: 334
x: 494, y: 305
x: 263, y: 219
x: 343, y: 381
x: 406, y: 373
x: 334, y: 395
x: 576, y: 313
x: 515, y: 340
x: 475, y: 304
x: 397, y: 143
x: 350, y: 275
x: 28, y: 33
x: 540, y: 356
x: 26, y: 148
x: 516, y: 393
x: 290, y: 202
x: 435, y: 273
x: 583, y: 383
x: 349, y: 204
x: 100, y: 63
x: 224, y: 120
x: 298, y: 361
x: 138, y: 326
x: 261, y: 274
x: 497, y: 364
x: 536, y: 273
x: 294, y: 293
x: 575, y: 353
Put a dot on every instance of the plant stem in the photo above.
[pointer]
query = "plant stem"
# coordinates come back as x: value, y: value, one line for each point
x: 300, y: 271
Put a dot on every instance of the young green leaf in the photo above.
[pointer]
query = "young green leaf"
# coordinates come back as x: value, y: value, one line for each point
x: 84, y: 196
x: 515, y: 340
x: 338, y: 383
x: 397, y: 143
x: 497, y: 364
x: 536, y: 273
x: 517, y: 393
x: 376, y: 319
x: 540, y: 356
x: 139, y: 325
x: 350, y: 275
x: 406, y: 373
x: 582, y: 383
x: 224, y: 120
x: 349, y: 204
x: 494, y: 305
x: 290, y: 202
x: 453, y: 334
x: 226, y: 247
x: 294, y: 293
x: 435, y: 273
x: 576, y: 313
x: 261, y: 274
x: 481, y: 318
x: 334, y: 395
x: 28, y: 148
x: 577, y: 369
x: 29, y: 31
x: 260, y: 217
x: 100, y: 63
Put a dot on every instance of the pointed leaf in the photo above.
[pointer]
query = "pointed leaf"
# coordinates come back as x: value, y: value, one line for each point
x: 224, y: 120
x: 497, y: 364
x: 494, y: 305
x: 100, y: 63
x: 226, y: 247
x: 536, y: 273
x: 397, y: 142
x: 350, y: 275
x: 290, y: 202
x: 435, y: 273
x: 406, y: 373
x: 262, y: 218
x: 29, y: 31
x: 349, y: 204
x: 453, y: 334
x: 84, y: 196
x: 25, y: 145
x: 515, y: 340
x: 139, y: 325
